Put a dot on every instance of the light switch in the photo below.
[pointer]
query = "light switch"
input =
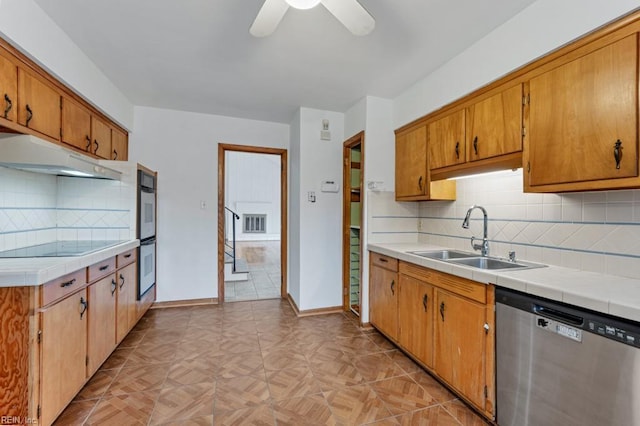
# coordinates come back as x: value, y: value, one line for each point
x: 311, y: 196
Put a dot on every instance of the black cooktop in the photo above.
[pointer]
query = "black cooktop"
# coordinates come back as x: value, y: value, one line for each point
x: 60, y: 249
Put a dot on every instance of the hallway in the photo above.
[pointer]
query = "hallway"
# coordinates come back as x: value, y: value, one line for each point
x: 263, y: 260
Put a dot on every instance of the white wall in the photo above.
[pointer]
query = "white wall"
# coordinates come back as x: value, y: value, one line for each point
x: 295, y: 200
x: 253, y: 187
x: 538, y: 29
x: 27, y: 27
x: 183, y: 148
x: 317, y: 225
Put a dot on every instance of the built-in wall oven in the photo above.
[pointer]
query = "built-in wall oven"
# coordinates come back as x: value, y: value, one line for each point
x: 146, y: 232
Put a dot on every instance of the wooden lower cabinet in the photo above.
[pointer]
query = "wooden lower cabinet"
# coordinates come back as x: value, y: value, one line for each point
x: 63, y: 354
x: 415, y: 318
x: 126, y: 304
x: 383, y: 300
x: 444, y: 322
x: 102, y: 322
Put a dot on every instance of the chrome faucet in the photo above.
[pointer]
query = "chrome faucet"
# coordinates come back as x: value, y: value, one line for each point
x: 484, y: 247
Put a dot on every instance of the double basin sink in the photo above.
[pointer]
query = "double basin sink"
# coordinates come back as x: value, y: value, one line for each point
x: 475, y: 261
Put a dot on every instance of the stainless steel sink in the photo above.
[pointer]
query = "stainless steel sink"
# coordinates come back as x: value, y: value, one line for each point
x: 490, y: 263
x: 444, y: 254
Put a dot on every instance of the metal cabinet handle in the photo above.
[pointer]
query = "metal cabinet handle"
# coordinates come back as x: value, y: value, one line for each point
x: 128, y: 255
x: 458, y: 150
x: 425, y: 301
x: 29, y: 115
x: 122, y: 279
x: 475, y: 145
x: 420, y: 183
x: 115, y: 154
x: 442, y: 310
x: 114, y: 285
x: 8, y: 105
x: 85, y: 306
x: 104, y: 267
x: 393, y: 287
x: 383, y: 260
x: 95, y: 141
x: 88, y: 147
x: 68, y: 283
x: 617, y: 152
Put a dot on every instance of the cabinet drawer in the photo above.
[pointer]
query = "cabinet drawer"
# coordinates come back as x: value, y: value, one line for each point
x: 127, y: 257
x: 383, y: 261
x: 60, y: 287
x: 101, y: 269
x: 461, y: 286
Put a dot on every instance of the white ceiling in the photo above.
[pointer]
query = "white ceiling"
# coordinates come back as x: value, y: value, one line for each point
x: 198, y: 55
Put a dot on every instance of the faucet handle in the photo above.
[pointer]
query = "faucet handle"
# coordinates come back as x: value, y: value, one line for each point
x: 512, y: 256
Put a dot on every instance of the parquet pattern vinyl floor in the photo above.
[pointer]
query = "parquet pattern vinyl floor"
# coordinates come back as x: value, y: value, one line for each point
x: 256, y: 363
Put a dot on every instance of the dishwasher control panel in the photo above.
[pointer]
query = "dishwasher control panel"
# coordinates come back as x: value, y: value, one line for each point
x: 612, y: 332
x: 559, y: 328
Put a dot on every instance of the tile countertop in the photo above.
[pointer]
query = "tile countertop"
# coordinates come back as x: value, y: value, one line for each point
x: 608, y: 294
x: 30, y: 271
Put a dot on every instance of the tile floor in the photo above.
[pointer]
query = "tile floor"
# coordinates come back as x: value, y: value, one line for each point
x: 256, y: 363
x: 263, y: 259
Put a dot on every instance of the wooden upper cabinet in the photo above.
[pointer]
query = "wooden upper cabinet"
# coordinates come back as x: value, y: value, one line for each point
x: 8, y: 87
x: 119, y: 145
x: 447, y: 141
x: 38, y: 104
x: 411, y: 163
x: 494, y: 125
x: 583, y: 120
x: 76, y: 125
x: 101, y: 137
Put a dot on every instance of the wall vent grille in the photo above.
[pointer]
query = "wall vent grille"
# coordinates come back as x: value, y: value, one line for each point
x: 254, y: 223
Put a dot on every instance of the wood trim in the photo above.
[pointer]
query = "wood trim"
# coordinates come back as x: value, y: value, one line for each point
x: 284, y: 233
x: 185, y: 303
x: 353, y: 141
x: 490, y: 353
x: 147, y: 170
x: 313, y: 312
x: 598, y: 37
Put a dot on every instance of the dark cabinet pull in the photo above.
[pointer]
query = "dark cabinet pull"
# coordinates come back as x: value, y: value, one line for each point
x: 420, y: 183
x: 88, y: 139
x: 95, y: 141
x: 8, y: 106
x: 122, y: 283
x: 617, y: 152
x: 475, y: 145
x: 442, y: 310
x: 383, y: 260
x: 84, y: 305
x: 68, y: 283
x: 425, y: 301
x: 29, y: 115
x: 393, y: 287
x: 114, y: 285
x: 457, y: 150
x: 102, y: 268
x: 128, y: 255
x: 115, y: 154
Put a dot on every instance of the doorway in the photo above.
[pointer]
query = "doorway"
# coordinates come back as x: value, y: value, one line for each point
x: 252, y: 225
x: 353, y: 174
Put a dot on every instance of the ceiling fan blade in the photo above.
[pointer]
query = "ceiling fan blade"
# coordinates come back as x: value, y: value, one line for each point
x: 352, y: 15
x: 268, y: 18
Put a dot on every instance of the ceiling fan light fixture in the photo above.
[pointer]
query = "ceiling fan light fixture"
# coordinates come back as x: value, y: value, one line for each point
x: 303, y: 4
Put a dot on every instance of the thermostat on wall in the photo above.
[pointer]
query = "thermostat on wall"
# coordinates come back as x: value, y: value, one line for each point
x: 329, y: 186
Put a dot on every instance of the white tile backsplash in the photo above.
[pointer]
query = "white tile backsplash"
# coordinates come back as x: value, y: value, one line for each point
x: 38, y: 208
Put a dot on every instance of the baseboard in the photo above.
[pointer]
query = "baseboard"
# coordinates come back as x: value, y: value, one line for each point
x: 366, y: 326
x: 185, y: 303
x: 312, y: 312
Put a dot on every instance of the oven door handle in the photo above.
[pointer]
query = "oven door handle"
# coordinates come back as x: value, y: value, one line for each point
x: 148, y: 241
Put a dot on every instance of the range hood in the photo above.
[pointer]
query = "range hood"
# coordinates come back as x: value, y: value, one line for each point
x: 32, y: 154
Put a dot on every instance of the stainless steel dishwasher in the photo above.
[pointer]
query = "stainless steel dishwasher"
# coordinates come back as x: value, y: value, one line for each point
x: 558, y: 364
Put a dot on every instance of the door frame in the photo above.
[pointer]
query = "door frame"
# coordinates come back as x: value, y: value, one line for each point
x: 222, y: 149
x: 355, y: 140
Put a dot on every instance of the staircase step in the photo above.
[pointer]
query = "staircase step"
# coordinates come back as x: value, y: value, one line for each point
x: 242, y: 267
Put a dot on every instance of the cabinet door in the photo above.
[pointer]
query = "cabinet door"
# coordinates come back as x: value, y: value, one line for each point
x: 38, y: 104
x: 127, y: 282
x: 102, y: 322
x: 101, y: 135
x: 63, y: 354
x: 383, y: 301
x: 460, y: 345
x: 579, y: 111
x: 447, y: 141
x: 8, y: 87
x: 76, y: 125
x: 494, y: 125
x: 411, y: 163
x: 119, y: 145
x: 415, y: 317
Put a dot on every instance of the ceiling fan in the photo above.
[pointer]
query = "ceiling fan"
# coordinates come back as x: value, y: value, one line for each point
x: 349, y: 12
